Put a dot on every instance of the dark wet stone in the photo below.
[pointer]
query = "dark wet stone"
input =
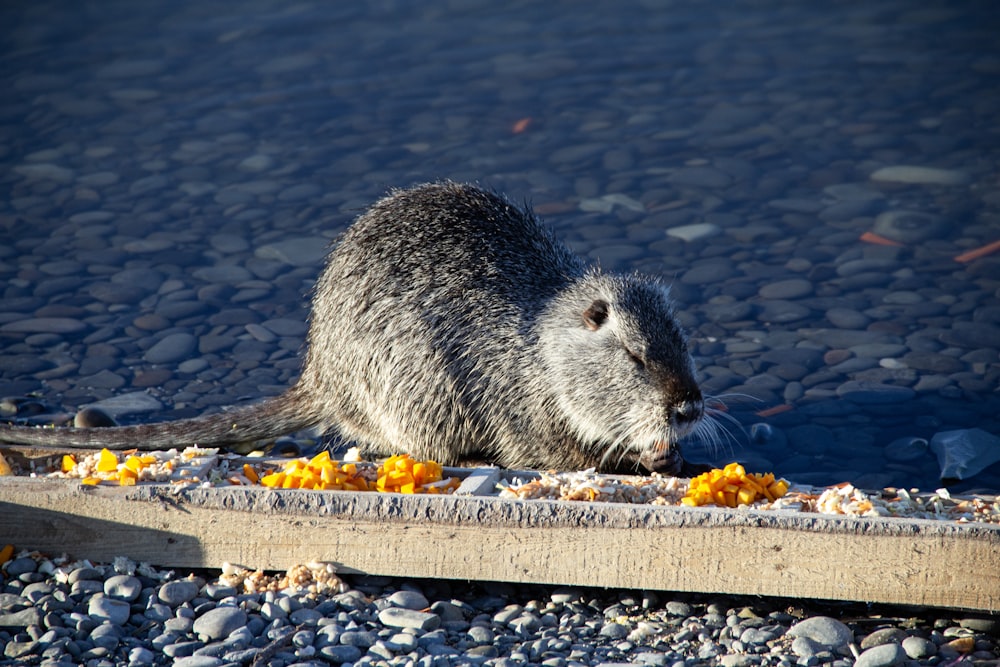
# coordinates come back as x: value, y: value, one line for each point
x: 909, y: 226
x: 792, y: 288
x: 55, y: 325
x: 172, y: 348
x: 861, y: 392
x: 972, y: 335
x: 782, y: 312
x: 116, y: 293
x: 907, y: 449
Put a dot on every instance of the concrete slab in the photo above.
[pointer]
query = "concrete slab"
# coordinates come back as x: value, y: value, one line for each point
x: 703, y: 549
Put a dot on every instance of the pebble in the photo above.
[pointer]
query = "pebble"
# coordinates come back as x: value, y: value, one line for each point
x: 176, y: 593
x: 107, y: 609
x: 219, y: 623
x: 885, y: 655
x: 920, y: 175
x: 172, y: 348
x: 823, y: 630
x: 909, y: 226
x: 396, y: 617
x: 123, y: 587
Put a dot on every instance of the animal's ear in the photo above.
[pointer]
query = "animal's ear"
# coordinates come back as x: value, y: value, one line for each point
x: 596, y: 314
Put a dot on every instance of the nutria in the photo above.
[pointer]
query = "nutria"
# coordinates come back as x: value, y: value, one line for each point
x: 450, y: 324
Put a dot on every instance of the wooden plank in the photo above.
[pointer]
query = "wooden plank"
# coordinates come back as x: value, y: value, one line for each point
x: 590, y: 544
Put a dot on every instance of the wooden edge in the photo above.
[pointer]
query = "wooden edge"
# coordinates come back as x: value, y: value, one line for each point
x: 568, y: 543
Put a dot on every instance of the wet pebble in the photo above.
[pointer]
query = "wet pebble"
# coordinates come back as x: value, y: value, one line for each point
x: 920, y: 175
x: 909, y: 226
x: 172, y: 348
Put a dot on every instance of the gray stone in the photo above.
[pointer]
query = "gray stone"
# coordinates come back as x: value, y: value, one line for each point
x: 792, y: 288
x: 920, y: 175
x: 54, y: 325
x: 700, y: 177
x: 823, y: 630
x: 198, y: 661
x: 805, y: 647
x: 862, y: 392
x: 123, y: 587
x: 136, y: 402
x: 695, y: 232
x: 308, y: 251
x: 882, y: 636
x: 176, y: 593
x: 340, y: 653
x: 19, y: 620
x: 409, y: 600
x: 909, y: 226
x: 396, y: 617
x: 906, y: 449
x: 19, y: 566
x: 219, y: 623
x: 884, y: 655
x: 104, y: 608
x: 965, y: 452
x: 172, y: 349
x: 614, y: 631
x: 919, y: 648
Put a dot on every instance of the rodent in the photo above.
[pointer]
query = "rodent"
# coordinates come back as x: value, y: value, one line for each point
x: 451, y: 324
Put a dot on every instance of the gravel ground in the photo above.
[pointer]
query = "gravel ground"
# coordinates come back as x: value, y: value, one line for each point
x: 58, y: 613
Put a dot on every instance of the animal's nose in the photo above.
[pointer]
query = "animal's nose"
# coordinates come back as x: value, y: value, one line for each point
x: 688, y: 412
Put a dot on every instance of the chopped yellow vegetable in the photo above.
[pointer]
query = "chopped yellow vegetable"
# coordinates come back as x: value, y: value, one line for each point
x: 107, y: 462
x: 6, y: 553
x: 732, y: 486
x: 399, y: 474
x: 68, y: 462
x: 5, y: 468
x: 250, y: 473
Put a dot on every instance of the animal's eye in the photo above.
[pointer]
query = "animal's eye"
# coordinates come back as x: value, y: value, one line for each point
x: 635, y: 358
x: 596, y: 314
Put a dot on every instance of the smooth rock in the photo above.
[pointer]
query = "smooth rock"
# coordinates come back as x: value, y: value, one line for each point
x: 397, y: 617
x: 54, y: 325
x: 919, y: 648
x: 219, y: 623
x: 122, y: 587
x: 172, y: 348
x: 920, y: 175
x: 308, y: 251
x: 136, y: 402
x: 909, y: 226
x: 19, y: 620
x: 408, y: 600
x: 823, y: 630
x: 104, y: 608
x: 965, y: 452
x: 884, y: 655
x: 176, y: 593
x: 695, y: 232
x: 863, y: 392
x: 906, y: 449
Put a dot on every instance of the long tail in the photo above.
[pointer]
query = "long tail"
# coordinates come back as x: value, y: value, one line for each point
x: 259, y: 421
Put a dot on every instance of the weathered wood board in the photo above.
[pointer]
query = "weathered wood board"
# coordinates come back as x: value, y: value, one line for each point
x: 776, y: 553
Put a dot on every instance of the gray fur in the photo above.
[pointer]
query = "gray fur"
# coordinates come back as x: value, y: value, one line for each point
x: 450, y: 324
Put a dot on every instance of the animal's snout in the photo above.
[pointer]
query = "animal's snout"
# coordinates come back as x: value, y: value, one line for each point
x: 688, y: 412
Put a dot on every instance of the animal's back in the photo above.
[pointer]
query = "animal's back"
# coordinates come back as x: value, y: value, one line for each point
x: 423, y: 321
